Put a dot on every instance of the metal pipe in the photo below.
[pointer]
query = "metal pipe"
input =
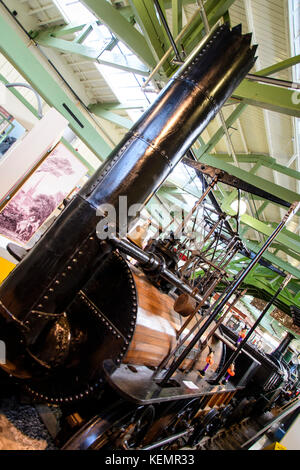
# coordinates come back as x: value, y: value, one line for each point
x: 152, y: 263
x: 166, y: 26
x: 25, y: 85
x: 293, y: 209
x: 252, y: 329
x: 167, y: 440
x: 273, y: 81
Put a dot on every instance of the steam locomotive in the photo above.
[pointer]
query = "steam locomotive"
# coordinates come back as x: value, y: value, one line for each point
x: 88, y: 330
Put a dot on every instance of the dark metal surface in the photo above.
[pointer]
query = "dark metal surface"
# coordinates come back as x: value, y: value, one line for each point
x: 224, y: 177
x: 151, y: 263
x: 282, y: 347
x: 143, y: 388
x: 103, y: 316
x: 50, y: 278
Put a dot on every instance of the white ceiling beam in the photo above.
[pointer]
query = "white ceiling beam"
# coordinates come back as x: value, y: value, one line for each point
x: 44, y: 8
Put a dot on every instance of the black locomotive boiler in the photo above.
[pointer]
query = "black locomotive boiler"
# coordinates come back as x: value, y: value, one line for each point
x: 80, y: 322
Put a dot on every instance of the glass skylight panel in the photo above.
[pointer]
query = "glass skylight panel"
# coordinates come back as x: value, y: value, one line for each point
x: 126, y: 86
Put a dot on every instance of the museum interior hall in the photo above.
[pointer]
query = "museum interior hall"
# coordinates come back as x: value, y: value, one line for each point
x: 149, y: 228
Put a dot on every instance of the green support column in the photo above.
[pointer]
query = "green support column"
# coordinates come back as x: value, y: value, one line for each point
x: 21, y: 57
x: 176, y: 17
x: 146, y: 16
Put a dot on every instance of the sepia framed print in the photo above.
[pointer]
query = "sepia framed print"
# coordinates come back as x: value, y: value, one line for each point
x: 40, y: 195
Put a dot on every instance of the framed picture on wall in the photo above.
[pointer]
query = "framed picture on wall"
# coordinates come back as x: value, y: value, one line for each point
x: 40, y: 195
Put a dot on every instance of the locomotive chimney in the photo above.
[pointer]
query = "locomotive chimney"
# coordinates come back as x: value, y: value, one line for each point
x: 281, y: 349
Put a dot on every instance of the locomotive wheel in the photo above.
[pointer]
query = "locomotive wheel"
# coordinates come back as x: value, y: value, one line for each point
x: 114, y: 430
x: 225, y: 413
x: 207, y: 427
x: 176, y: 418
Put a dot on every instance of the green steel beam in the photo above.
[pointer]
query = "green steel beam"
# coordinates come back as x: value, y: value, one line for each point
x: 215, y: 10
x: 176, y: 17
x: 125, y: 68
x: 286, y: 231
x: 273, y: 98
x: 124, y: 31
x: 84, y: 34
x: 286, y: 250
x: 244, y: 157
x: 17, y: 52
x: 262, y: 227
x: 69, y: 47
x: 226, y: 18
x: 115, y: 106
x: 146, y: 16
x: 284, y: 64
x: 73, y: 47
x: 272, y: 188
x: 274, y: 259
x: 60, y: 31
x: 262, y: 207
x: 282, y: 169
x: 169, y: 3
x: 264, y: 160
x: 101, y: 111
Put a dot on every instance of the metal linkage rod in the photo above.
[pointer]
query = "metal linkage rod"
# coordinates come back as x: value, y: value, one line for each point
x: 197, y: 204
x: 273, y: 81
x: 183, y: 340
x: 252, y: 329
x: 293, y: 209
x: 166, y: 26
x: 152, y: 264
x: 168, y: 440
x: 205, y: 297
x: 238, y: 296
